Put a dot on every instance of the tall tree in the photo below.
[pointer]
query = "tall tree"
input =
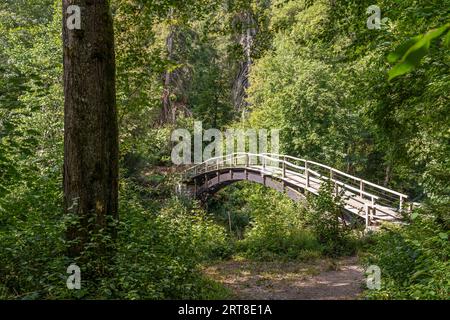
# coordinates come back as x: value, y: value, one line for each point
x: 91, y: 132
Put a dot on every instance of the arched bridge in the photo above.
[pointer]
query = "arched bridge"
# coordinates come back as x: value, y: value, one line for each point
x: 296, y: 177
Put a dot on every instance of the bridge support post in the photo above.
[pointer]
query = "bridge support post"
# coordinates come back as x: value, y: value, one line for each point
x: 373, y: 212
x: 307, y: 174
x: 361, y: 188
x: 284, y: 166
x: 366, y: 207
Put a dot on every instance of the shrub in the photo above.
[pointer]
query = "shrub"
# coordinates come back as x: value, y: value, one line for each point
x: 275, y: 229
x: 271, y: 240
x: 156, y: 254
x: 413, y: 259
x: 160, y: 252
x: 324, y: 217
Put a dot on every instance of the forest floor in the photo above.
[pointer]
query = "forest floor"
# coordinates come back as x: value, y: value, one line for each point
x: 322, y: 279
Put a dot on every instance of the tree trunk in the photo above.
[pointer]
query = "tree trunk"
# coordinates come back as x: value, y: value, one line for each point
x: 90, y: 125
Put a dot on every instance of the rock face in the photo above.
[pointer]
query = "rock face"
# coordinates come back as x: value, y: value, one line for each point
x: 245, y: 26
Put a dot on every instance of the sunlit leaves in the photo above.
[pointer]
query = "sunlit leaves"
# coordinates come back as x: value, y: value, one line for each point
x: 414, y: 259
x: 447, y: 40
x: 410, y: 53
x: 400, y: 51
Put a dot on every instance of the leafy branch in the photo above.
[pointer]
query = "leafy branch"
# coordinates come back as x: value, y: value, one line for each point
x: 409, y: 54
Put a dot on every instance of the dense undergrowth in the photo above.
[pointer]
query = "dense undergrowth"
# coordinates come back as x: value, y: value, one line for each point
x: 161, y: 245
x: 157, y: 252
x: 267, y: 225
x: 318, y: 74
x: 413, y: 259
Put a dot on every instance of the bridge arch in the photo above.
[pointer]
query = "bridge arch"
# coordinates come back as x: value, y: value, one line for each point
x: 213, y: 181
x: 296, y: 177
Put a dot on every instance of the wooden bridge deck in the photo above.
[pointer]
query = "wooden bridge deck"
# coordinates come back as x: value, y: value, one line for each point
x: 353, y: 202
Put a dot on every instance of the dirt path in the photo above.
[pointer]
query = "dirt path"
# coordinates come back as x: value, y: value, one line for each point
x: 341, y: 279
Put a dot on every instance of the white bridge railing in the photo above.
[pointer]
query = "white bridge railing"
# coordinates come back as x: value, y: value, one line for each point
x: 311, y: 174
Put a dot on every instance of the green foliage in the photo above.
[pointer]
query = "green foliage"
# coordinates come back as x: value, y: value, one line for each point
x: 31, y: 230
x: 231, y: 210
x: 157, y: 252
x: 273, y: 238
x: 317, y: 73
x: 209, y: 239
x: 304, y: 88
x: 410, y: 53
x: 413, y: 259
x: 324, y: 84
x: 266, y: 224
x: 325, y: 218
x: 208, y: 94
x: 30, y: 92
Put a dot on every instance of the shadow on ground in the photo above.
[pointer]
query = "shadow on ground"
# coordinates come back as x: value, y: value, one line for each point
x: 319, y: 280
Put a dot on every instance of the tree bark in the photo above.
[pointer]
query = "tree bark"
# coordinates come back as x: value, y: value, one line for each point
x: 90, y: 124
